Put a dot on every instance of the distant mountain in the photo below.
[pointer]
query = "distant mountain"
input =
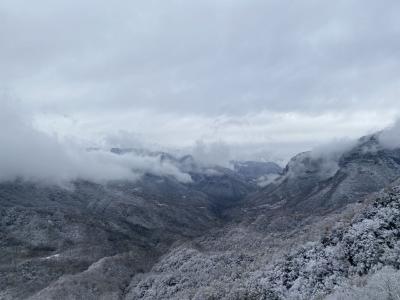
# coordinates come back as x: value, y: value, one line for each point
x: 223, y: 186
x: 317, y: 184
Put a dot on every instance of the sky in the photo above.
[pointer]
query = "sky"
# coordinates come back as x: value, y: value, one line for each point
x: 265, y: 79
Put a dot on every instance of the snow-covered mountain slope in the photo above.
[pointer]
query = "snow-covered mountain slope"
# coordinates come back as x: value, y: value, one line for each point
x: 216, y: 236
x: 49, y: 232
x: 319, y: 184
x: 352, y: 251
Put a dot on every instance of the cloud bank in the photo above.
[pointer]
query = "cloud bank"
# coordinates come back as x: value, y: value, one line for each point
x: 33, y: 155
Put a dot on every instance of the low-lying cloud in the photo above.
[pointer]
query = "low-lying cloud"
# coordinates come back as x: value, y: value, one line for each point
x: 211, y: 154
x: 36, y: 156
x: 324, y: 159
x: 32, y: 154
x: 390, y: 137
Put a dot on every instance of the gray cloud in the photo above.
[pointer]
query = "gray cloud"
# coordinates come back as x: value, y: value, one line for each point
x: 207, y: 57
x: 276, y: 75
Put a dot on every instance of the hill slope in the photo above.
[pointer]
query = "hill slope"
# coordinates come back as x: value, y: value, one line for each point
x: 50, y: 232
x: 218, y: 236
x: 320, y: 184
x: 353, y: 249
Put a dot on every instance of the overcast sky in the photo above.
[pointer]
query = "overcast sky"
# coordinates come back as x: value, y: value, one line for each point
x: 266, y: 76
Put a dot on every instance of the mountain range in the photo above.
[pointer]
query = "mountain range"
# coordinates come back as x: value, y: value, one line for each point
x: 248, y: 231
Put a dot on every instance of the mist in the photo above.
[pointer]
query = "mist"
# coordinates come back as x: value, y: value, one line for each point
x: 30, y: 154
x: 211, y: 154
x: 390, y: 137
